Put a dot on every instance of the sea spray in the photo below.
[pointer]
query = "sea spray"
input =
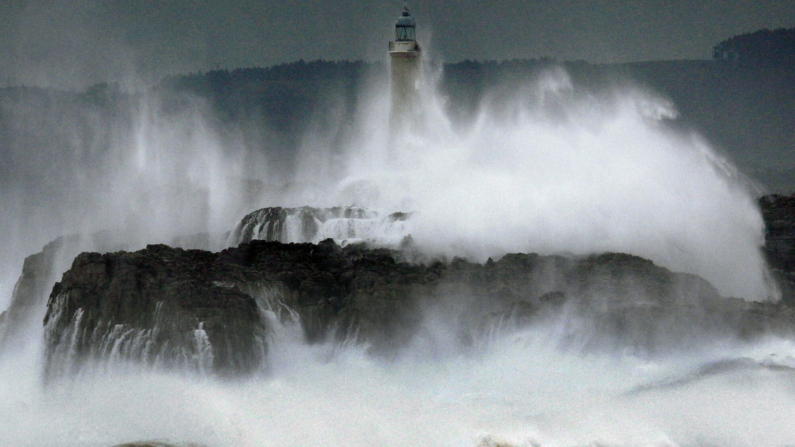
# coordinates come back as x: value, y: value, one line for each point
x: 557, y: 168
x: 554, y: 168
x: 520, y: 390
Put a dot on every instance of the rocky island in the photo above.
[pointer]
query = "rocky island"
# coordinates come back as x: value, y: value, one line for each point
x: 215, y: 311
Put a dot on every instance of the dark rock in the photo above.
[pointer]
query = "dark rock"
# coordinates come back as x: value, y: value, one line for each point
x: 778, y: 212
x: 399, y: 216
x: 357, y: 294
x: 154, y: 306
x: 40, y: 271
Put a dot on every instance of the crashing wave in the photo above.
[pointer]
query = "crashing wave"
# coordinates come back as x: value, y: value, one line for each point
x: 345, y: 225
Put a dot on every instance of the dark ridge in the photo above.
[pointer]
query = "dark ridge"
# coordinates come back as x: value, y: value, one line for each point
x: 761, y: 48
x: 356, y: 294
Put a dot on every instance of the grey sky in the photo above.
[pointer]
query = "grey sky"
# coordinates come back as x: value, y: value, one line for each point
x: 73, y: 43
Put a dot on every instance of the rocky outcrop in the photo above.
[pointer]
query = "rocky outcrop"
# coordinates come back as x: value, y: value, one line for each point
x: 41, y: 270
x: 214, y: 312
x: 189, y: 308
x: 778, y: 212
x: 163, y: 307
x: 26, y: 301
x: 306, y: 224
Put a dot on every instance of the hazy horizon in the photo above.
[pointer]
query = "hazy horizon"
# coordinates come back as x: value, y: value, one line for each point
x: 134, y: 43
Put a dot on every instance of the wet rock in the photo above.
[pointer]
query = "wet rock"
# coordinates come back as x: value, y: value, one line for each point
x: 160, y: 306
x: 355, y: 294
x: 350, y: 224
x: 778, y: 212
x: 41, y: 270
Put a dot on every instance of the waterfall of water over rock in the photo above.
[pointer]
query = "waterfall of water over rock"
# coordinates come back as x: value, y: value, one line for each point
x: 345, y: 225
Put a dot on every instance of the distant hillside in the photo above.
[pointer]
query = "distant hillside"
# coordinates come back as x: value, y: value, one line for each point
x: 746, y: 111
x: 285, y: 95
x: 761, y: 48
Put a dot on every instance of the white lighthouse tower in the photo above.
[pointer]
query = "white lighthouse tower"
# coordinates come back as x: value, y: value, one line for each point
x: 404, y: 54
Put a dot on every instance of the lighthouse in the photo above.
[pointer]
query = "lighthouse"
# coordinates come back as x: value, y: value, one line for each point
x: 404, y: 55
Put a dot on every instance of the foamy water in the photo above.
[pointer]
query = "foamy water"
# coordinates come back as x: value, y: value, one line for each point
x: 518, y: 390
x: 553, y: 169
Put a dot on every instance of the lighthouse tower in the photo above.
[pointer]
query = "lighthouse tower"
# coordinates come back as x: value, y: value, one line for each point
x: 404, y: 54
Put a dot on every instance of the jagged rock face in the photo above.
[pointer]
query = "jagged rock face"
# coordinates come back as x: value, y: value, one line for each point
x: 159, y: 306
x: 33, y: 284
x: 306, y: 224
x: 172, y: 303
x: 620, y: 301
x: 41, y: 270
x: 31, y: 291
x: 210, y: 312
x: 778, y: 213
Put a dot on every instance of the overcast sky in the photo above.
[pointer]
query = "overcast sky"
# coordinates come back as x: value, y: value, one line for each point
x: 72, y: 43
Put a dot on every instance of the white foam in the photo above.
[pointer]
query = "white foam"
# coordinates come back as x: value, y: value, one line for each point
x: 520, y: 391
x: 556, y: 168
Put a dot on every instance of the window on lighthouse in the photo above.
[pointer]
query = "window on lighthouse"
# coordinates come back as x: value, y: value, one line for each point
x: 405, y: 33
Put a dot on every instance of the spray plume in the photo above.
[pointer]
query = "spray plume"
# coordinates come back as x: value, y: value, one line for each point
x: 554, y: 168
x: 551, y: 169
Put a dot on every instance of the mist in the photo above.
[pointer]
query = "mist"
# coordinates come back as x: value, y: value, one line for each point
x: 548, y: 166
x: 545, y: 166
x: 139, y: 168
x: 516, y: 389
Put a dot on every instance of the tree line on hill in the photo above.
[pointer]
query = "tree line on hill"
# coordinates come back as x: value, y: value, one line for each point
x: 746, y: 110
x: 760, y: 48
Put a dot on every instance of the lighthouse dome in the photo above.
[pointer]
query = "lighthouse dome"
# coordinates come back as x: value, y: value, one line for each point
x: 406, y: 19
x: 405, y: 27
